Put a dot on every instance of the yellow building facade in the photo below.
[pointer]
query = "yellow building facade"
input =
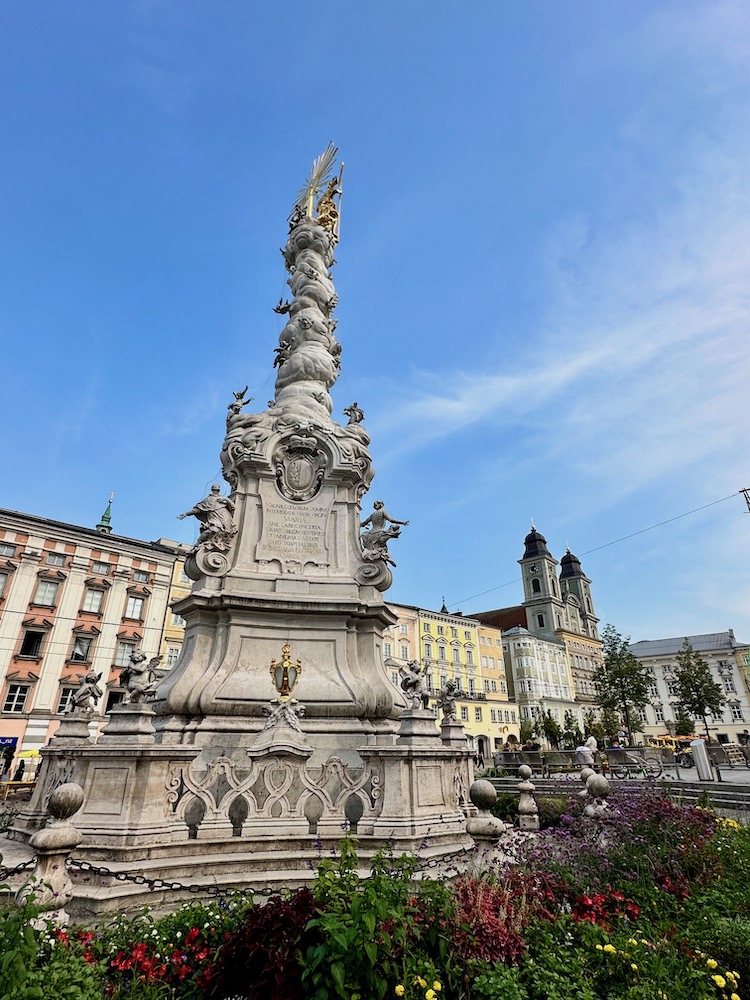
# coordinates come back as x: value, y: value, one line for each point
x: 452, y: 647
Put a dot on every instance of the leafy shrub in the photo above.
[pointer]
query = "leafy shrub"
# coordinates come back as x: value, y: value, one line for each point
x: 259, y: 960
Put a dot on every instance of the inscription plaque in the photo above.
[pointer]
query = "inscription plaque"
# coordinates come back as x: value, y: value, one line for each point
x: 294, y: 532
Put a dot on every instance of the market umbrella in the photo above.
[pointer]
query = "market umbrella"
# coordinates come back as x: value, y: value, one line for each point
x: 28, y: 753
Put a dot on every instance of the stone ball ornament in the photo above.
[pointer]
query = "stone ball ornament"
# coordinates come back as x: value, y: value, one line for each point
x: 597, y: 786
x: 65, y: 801
x: 524, y: 772
x: 483, y: 795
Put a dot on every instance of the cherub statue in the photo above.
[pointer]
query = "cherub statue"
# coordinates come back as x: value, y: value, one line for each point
x: 375, y: 540
x: 283, y: 307
x: 412, y: 684
x: 215, y: 516
x: 447, y: 701
x: 282, y: 352
x: 239, y: 401
x: 138, y: 676
x: 87, y: 694
x: 355, y: 414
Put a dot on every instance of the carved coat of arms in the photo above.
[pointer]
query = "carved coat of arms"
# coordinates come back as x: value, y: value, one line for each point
x: 300, y: 467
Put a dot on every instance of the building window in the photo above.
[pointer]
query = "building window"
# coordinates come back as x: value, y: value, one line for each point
x: 428, y: 650
x: 441, y: 652
x: 718, y: 716
x: 404, y: 628
x: 31, y: 644
x: 736, y: 711
x: 540, y: 621
x: 443, y: 680
x: 456, y: 655
x: 65, y: 701
x: 467, y: 635
x: 394, y: 677
x: 404, y: 652
x: 173, y: 654
x: 503, y: 687
x: 387, y: 649
x: 659, y: 713
x: 123, y: 654
x: 512, y: 716
x: 653, y: 690
x: 426, y: 626
x: 536, y: 586
x: 46, y: 593
x: 3, y: 583
x: 114, y: 698
x: 183, y: 577
x: 464, y: 713
x: 486, y: 687
x: 178, y: 620
x: 493, y: 715
x: 140, y: 577
x: 92, y: 601
x: 729, y: 687
x: 454, y: 633
x: 56, y: 559
x: 469, y: 656
x: 477, y: 715
x: 472, y: 686
x: 100, y: 568
x: 81, y: 649
x: 484, y: 661
x: 15, y: 698
x: 430, y: 681
x: 134, y: 608
x: 441, y: 630
x: 7, y: 550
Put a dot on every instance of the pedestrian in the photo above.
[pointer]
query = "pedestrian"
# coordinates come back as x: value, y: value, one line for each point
x: 18, y: 776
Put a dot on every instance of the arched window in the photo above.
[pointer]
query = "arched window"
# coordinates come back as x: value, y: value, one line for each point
x: 540, y: 620
x: 536, y: 586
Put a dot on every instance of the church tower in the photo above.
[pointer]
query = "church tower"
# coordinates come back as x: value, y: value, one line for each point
x: 545, y: 610
x: 574, y: 583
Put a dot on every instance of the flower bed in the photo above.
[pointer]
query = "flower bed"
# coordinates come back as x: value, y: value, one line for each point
x: 651, y: 902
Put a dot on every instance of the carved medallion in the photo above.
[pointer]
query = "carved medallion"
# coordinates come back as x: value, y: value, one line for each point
x: 300, y: 467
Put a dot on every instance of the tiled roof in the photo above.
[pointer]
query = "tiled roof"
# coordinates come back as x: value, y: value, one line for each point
x: 710, y: 642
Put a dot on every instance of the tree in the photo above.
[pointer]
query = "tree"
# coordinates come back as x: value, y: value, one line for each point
x: 683, y: 725
x: 572, y: 734
x: 697, y: 692
x: 551, y: 729
x: 621, y: 681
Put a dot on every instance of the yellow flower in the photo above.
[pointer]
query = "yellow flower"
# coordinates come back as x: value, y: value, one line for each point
x: 599, y: 948
x: 712, y: 963
x: 634, y: 967
x: 720, y: 981
x: 419, y: 981
x: 661, y: 995
x: 734, y: 997
x: 610, y: 949
x: 399, y: 991
x: 430, y: 995
x: 436, y: 986
x: 632, y: 941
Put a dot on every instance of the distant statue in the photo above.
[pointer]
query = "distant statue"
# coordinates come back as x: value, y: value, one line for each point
x: 375, y: 540
x: 239, y: 401
x: 447, y: 701
x: 282, y: 353
x: 328, y: 215
x: 284, y: 712
x: 215, y: 516
x: 283, y: 307
x: 356, y: 416
x: 412, y: 684
x: 138, y: 676
x: 87, y: 694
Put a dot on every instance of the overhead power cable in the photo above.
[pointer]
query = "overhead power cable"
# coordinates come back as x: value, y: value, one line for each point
x: 614, y: 541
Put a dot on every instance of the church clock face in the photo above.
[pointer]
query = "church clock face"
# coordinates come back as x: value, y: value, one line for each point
x: 534, y: 568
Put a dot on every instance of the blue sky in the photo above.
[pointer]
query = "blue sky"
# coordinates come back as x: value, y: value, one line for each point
x: 543, y: 273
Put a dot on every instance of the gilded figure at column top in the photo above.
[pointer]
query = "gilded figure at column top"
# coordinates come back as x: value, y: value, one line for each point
x: 326, y: 212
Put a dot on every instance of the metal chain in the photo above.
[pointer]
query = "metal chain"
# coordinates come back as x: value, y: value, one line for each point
x: 214, y: 890
x: 10, y: 872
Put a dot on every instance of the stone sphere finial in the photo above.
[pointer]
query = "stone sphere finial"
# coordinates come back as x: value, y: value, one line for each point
x: 524, y: 772
x: 482, y: 793
x: 597, y: 786
x: 66, y: 800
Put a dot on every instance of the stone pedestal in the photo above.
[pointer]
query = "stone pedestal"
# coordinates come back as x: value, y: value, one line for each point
x: 418, y: 728
x: 129, y: 723
x: 73, y: 729
x: 452, y: 733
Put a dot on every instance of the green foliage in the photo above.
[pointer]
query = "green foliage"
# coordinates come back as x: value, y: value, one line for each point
x: 551, y: 729
x: 696, y: 691
x: 571, y: 735
x: 499, y: 983
x: 37, y: 965
x: 526, y: 731
x: 621, y: 681
x: 684, y: 725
